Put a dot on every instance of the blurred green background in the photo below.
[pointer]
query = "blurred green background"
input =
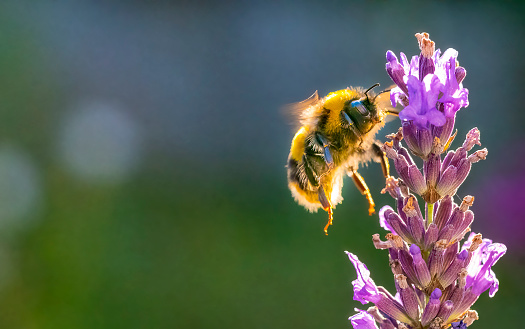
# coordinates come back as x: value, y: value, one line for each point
x: 142, y: 153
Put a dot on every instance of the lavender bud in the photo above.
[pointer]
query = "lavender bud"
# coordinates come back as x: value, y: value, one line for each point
x: 457, y: 295
x: 456, y: 218
x: 463, y: 170
x: 453, y: 270
x: 443, y: 212
x: 431, y: 168
x: 447, y: 180
x: 431, y: 236
x: 472, y: 139
x: 392, y: 308
x: 460, y: 154
x: 401, y: 165
x: 426, y: 62
x: 393, y: 254
x: 444, y: 132
x: 403, y: 151
x: 415, y: 220
x: 409, y: 134
x: 436, y: 258
x: 399, y: 226
x: 460, y: 73
x: 445, y: 310
x: 447, y: 159
x: 407, y: 264
x: 416, y: 228
x: 420, y: 266
x: 408, y: 297
x: 462, y: 227
x: 447, y: 233
x: 469, y: 298
x: 389, y: 150
x: 400, y: 203
x: 411, y: 207
x: 478, y: 155
x: 432, y: 308
x: 450, y: 254
x: 416, y: 181
x: 396, y: 71
x: 425, y: 141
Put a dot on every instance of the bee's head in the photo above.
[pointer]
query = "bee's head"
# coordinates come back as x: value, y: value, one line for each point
x: 363, y: 111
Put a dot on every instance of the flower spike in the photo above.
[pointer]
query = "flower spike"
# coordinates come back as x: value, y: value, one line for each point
x: 437, y: 277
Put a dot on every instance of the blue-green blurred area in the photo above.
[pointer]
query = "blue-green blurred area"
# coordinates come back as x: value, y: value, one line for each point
x: 142, y: 153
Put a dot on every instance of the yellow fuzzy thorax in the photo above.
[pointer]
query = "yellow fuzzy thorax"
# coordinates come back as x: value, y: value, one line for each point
x: 335, y: 102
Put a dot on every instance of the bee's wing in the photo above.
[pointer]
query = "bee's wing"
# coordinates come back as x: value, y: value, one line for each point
x: 297, y: 112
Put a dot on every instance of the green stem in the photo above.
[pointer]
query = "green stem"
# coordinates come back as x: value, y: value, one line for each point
x: 430, y: 213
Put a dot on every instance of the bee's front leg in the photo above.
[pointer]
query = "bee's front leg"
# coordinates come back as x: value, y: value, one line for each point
x: 381, y: 156
x: 363, y: 188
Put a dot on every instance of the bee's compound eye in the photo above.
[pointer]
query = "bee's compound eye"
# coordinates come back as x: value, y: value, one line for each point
x: 360, y: 107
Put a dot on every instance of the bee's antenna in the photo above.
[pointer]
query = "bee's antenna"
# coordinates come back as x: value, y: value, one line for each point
x: 375, y: 85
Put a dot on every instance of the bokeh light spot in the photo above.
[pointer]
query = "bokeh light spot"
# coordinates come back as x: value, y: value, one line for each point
x: 20, y: 190
x: 99, y: 143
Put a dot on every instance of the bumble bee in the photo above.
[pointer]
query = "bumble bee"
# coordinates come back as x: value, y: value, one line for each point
x: 337, y: 134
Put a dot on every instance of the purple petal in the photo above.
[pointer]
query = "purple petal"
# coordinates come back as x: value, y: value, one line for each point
x: 435, y: 117
x: 382, y: 219
x: 362, y: 320
x: 397, y: 96
x: 480, y: 275
x: 423, y: 97
x: 365, y: 289
x: 454, y: 95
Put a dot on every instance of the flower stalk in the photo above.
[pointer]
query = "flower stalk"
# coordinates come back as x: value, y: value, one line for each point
x: 437, y: 276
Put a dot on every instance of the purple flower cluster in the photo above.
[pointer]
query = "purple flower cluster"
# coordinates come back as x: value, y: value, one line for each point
x: 437, y: 277
x: 430, y: 86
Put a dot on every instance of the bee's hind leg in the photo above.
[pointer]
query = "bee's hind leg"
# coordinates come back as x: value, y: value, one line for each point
x: 381, y: 156
x: 363, y: 188
x: 327, y: 206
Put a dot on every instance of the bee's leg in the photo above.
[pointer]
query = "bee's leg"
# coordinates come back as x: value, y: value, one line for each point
x: 352, y: 126
x: 361, y: 186
x: 323, y: 141
x: 381, y: 156
x: 327, y: 206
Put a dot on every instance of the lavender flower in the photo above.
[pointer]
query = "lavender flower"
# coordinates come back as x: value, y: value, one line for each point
x: 423, y: 80
x: 437, y: 279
